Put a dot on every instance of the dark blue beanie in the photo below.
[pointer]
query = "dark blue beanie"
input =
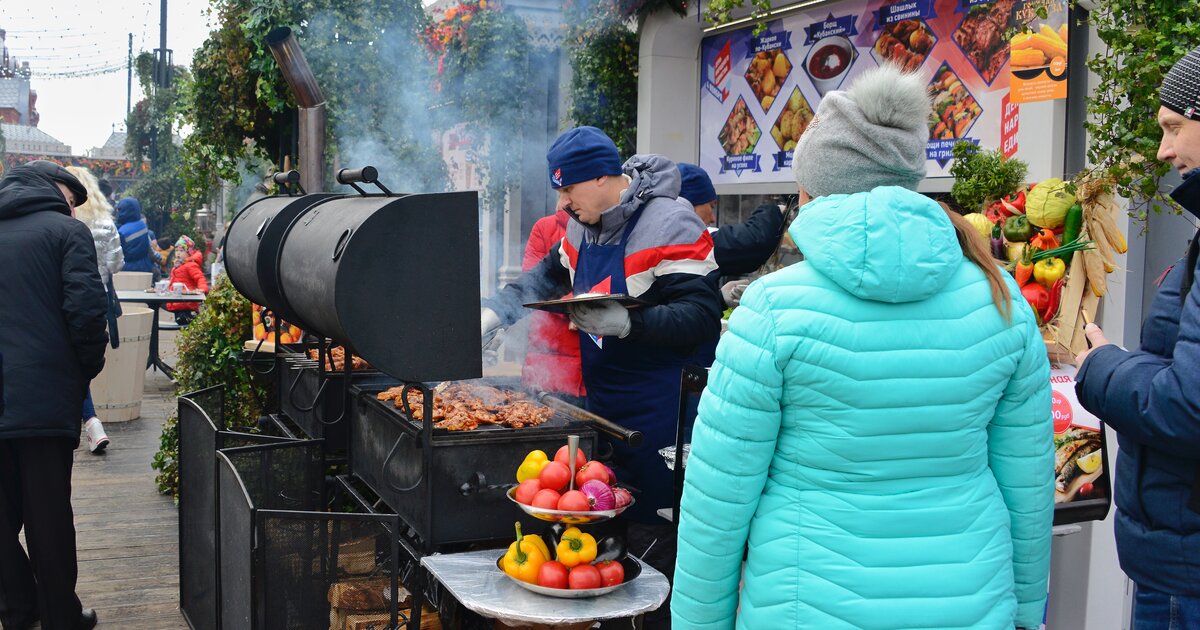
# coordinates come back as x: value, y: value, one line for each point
x: 581, y: 154
x: 696, y: 187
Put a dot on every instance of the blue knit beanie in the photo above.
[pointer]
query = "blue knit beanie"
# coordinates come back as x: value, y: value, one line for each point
x: 581, y: 154
x: 696, y: 187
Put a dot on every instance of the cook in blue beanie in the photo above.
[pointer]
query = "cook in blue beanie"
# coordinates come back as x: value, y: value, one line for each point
x: 581, y: 154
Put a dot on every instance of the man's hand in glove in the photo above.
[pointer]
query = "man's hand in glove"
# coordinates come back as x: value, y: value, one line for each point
x: 601, y: 318
x: 732, y: 292
x: 489, y: 325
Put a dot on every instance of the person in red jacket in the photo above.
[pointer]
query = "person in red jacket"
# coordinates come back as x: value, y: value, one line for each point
x: 189, y: 272
x: 552, y: 356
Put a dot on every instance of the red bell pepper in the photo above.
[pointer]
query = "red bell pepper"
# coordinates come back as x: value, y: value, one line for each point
x: 1017, y: 201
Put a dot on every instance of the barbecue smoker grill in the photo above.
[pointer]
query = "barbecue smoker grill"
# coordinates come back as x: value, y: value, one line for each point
x: 393, y: 278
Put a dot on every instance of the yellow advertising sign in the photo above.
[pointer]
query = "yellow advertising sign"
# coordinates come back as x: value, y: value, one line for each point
x: 1038, y: 52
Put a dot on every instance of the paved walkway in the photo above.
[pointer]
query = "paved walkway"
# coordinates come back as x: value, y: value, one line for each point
x: 127, y: 533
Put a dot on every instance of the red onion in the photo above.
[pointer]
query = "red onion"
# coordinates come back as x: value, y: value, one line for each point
x: 621, y: 497
x: 612, y: 476
x: 598, y: 494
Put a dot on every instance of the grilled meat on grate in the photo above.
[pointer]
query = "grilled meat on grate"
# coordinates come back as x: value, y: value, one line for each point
x: 464, y: 407
x: 335, y: 360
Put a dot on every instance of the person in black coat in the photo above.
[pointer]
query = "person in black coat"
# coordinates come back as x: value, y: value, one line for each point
x: 740, y: 248
x: 1151, y: 398
x: 52, y: 338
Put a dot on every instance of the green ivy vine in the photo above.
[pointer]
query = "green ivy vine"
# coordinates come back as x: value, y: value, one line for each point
x: 210, y: 350
x: 603, y: 53
x: 1144, y: 38
x: 720, y: 12
x: 475, y: 48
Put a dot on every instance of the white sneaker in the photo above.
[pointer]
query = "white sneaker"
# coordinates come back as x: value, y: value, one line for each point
x: 97, y: 440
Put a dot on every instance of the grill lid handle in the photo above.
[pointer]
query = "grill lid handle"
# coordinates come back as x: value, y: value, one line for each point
x: 631, y: 437
x: 366, y: 175
x: 287, y: 180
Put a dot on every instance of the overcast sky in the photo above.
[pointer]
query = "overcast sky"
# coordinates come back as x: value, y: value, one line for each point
x: 59, y: 36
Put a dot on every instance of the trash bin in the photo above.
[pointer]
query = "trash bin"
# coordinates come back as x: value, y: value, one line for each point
x: 117, y: 391
x: 133, y: 280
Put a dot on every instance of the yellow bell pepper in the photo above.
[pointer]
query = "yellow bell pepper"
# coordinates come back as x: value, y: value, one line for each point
x: 534, y: 462
x: 524, y: 557
x: 576, y: 547
x: 1049, y: 270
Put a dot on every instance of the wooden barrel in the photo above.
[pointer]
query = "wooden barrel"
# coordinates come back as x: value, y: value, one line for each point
x: 117, y: 391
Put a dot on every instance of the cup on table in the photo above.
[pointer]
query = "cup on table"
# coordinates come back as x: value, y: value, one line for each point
x: 178, y: 288
x: 162, y: 286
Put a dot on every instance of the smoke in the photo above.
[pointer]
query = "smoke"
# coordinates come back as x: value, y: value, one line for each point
x: 374, y: 74
x: 483, y: 122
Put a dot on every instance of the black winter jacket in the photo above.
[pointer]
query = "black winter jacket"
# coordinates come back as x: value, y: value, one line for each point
x: 52, y: 309
x: 1151, y: 397
x: 744, y: 247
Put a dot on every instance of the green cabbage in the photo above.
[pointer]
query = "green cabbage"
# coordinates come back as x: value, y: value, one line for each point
x: 1047, y: 204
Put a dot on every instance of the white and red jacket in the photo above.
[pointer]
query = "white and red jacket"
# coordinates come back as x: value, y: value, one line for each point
x: 669, y: 262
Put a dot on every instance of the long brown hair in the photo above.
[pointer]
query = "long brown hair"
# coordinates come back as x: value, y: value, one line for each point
x: 978, y: 251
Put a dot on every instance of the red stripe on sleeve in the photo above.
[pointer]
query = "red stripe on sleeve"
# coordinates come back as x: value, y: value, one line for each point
x: 652, y: 256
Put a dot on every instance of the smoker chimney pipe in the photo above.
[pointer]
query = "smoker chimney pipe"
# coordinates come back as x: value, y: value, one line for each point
x: 300, y: 78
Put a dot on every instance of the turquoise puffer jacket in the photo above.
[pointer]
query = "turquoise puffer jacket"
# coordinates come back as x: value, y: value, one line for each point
x: 876, y: 434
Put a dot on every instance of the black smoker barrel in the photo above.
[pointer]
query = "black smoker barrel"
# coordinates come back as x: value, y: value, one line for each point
x: 252, y: 249
x: 393, y: 278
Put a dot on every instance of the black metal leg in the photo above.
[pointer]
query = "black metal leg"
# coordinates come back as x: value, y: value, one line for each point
x: 152, y: 359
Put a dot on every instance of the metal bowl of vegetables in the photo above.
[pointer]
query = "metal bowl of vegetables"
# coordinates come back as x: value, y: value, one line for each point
x: 632, y: 566
x: 565, y: 516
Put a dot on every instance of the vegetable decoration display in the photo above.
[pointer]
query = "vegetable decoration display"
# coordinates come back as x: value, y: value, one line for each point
x: 1036, y: 232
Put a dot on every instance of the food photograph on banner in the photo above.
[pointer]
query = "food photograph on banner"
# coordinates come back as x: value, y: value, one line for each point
x: 973, y: 52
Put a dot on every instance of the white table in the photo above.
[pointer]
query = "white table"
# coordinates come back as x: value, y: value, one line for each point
x: 155, y: 302
x: 476, y: 582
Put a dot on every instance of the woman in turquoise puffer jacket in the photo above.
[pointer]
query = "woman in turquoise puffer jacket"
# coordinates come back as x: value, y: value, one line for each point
x: 877, y: 426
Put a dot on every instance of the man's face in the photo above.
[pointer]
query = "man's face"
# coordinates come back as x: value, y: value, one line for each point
x: 1180, y: 141
x: 68, y: 195
x: 707, y: 212
x: 586, y: 199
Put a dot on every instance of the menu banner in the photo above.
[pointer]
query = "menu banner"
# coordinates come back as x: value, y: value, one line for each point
x: 760, y: 102
x: 1081, y: 483
x: 830, y: 27
x: 917, y: 9
x: 1038, y: 51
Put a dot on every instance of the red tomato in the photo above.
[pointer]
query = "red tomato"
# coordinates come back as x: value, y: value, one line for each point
x: 1086, y: 490
x: 611, y: 572
x: 546, y: 499
x: 555, y: 476
x: 563, y: 455
x: 574, y: 501
x: 527, y: 490
x: 1037, y: 296
x: 589, y: 471
x: 552, y: 574
x: 585, y: 576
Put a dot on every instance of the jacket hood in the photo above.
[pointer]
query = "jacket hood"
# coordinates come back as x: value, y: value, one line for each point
x: 129, y: 210
x: 889, y: 244
x: 25, y: 191
x: 649, y: 176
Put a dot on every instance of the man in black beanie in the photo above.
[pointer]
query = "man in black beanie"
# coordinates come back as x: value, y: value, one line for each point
x: 1151, y: 397
x: 52, y: 338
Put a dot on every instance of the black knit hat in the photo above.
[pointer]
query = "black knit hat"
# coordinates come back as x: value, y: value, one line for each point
x: 61, y: 175
x: 1181, y: 89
